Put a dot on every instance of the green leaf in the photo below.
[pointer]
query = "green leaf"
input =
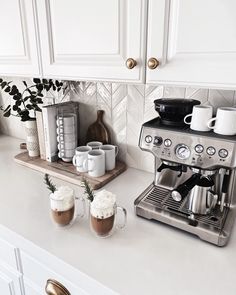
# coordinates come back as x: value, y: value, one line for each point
x: 3, y: 84
x: 27, y: 97
x: 45, y: 81
x: 25, y: 84
x: 29, y: 107
x: 18, y: 103
x: 8, y: 89
x: 7, y: 114
x: 39, y: 87
x: 14, y: 90
x: 15, y: 108
x: 36, y: 80
x: 1, y: 80
x: 17, y: 96
x: 40, y: 94
x: 57, y: 83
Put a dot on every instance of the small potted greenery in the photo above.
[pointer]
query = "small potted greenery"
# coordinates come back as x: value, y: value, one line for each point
x: 25, y: 104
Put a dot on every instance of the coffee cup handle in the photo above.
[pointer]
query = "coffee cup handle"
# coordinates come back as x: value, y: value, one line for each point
x: 80, y: 215
x: 123, y: 210
x: 117, y: 150
x: 187, y: 116
x: 74, y: 160
x: 209, y: 123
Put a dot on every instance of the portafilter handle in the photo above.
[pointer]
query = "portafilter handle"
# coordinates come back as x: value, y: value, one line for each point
x: 183, y: 189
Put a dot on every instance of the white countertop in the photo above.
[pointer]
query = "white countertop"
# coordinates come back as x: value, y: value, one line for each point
x: 145, y: 258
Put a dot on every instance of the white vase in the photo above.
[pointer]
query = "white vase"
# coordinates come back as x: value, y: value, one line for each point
x: 32, y: 140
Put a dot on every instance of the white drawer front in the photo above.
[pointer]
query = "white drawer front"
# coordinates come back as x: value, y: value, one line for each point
x: 10, y: 280
x: 31, y: 289
x: 8, y: 254
x: 39, y: 274
x: 6, y: 285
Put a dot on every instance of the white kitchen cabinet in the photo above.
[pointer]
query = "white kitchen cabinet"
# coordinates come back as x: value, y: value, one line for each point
x: 11, y: 281
x: 18, y: 47
x: 35, y: 266
x: 92, y: 40
x: 194, y: 41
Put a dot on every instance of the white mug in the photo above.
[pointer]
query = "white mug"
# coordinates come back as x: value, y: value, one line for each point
x: 66, y: 120
x: 111, y: 152
x: 70, y: 137
x: 94, y: 144
x: 66, y: 129
x: 66, y: 145
x: 80, y: 159
x: 225, y: 121
x: 200, y: 116
x: 96, y: 163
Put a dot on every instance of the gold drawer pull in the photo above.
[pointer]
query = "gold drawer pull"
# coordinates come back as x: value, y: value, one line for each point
x: 55, y: 288
x: 130, y: 63
x: 153, y: 63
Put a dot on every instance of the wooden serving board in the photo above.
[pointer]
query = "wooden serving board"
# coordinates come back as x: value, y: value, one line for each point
x: 67, y: 172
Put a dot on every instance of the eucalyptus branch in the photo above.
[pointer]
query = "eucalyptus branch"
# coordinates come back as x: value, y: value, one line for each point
x: 49, y: 183
x: 88, y: 191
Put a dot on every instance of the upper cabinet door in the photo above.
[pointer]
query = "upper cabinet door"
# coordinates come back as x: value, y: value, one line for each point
x: 92, y: 40
x: 194, y: 41
x: 18, y: 47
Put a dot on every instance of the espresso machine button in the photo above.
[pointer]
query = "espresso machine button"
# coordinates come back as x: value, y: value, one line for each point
x: 211, y: 150
x: 182, y: 151
x: 148, y: 139
x: 157, y: 140
x: 199, y: 148
x: 223, y: 153
x: 167, y: 142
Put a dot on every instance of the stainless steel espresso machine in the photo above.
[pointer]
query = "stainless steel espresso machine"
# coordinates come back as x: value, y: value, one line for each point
x: 194, y: 180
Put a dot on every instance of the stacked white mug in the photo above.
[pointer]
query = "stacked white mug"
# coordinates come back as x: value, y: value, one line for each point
x: 66, y: 136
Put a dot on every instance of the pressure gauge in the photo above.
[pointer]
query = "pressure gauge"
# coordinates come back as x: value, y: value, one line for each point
x: 223, y: 153
x: 182, y: 151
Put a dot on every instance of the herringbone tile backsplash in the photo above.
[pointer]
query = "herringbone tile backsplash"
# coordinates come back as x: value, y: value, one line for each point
x: 126, y: 108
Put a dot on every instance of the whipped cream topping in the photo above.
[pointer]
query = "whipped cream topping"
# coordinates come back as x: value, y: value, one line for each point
x: 103, y: 205
x: 62, y: 199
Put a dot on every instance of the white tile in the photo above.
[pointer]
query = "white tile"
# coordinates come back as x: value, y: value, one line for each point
x: 198, y: 94
x: 174, y: 92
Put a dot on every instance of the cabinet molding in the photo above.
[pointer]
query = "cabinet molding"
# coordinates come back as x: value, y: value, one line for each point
x: 18, y: 50
x: 97, y: 45
x: 194, y: 42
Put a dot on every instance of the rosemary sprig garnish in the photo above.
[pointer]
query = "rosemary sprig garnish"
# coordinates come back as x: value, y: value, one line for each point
x: 88, y: 191
x: 49, y: 183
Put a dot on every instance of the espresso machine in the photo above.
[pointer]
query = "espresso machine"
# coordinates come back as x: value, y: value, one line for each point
x: 194, y: 180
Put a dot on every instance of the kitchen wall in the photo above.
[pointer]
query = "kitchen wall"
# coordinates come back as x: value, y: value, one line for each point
x: 126, y: 108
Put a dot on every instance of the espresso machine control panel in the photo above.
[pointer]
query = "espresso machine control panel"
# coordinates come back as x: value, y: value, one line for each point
x: 189, y: 148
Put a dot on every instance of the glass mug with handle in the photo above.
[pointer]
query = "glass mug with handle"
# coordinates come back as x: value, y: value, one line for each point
x: 103, y: 215
x: 65, y: 207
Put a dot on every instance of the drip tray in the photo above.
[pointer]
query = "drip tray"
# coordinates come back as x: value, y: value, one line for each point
x: 155, y: 198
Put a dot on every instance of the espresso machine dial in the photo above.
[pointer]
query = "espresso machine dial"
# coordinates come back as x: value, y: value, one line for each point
x: 182, y: 151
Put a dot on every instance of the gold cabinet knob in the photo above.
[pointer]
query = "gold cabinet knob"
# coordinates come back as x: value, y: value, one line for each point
x: 153, y: 63
x: 55, y: 288
x: 131, y: 63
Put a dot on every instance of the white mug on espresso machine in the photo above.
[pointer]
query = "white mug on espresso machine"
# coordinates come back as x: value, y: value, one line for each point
x: 200, y: 116
x: 225, y: 121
